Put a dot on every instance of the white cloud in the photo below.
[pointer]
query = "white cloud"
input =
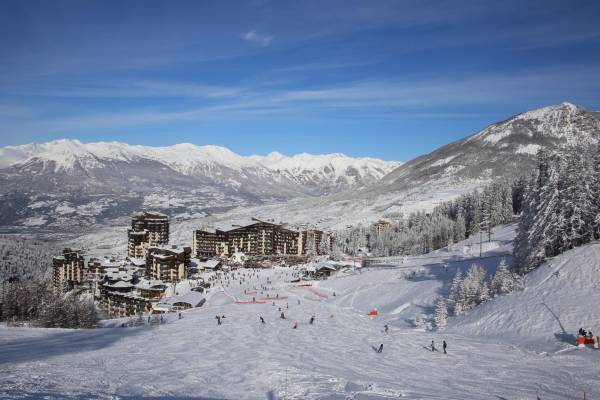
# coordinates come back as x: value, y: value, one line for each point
x: 253, y: 36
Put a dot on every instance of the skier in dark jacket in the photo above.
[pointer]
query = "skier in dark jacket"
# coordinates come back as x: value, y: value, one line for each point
x: 218, y: 320
x: 312, y: 319
x: 432, y: 345
x: 262, y: 320
x: 380, y: 349
x: 444, y: 345
x: 282, y: 315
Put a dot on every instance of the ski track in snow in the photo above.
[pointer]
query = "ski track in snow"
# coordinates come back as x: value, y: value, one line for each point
x: 332, y: 359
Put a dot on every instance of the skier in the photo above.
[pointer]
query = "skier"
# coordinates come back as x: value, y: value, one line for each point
x: 380, y: 349
x: 432, y: 345
x: 312, y: 319
x: 262, y: 320
x: 218, y: 320
x: 295, y: 326
x: 444, y: 345
x: 282, y: 315
x: 386, y: 328
x: 161, y: 319
x: 179, y: 315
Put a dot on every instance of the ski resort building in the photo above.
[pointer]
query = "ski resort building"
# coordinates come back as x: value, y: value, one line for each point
x: 381, y: 226
x: 168, y: 263
x: 147, y: 229
x: 255, y: 238
x: 68, y: 270
x: 124, y: 298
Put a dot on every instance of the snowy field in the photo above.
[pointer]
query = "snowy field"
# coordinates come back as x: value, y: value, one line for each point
x: 509, y: 348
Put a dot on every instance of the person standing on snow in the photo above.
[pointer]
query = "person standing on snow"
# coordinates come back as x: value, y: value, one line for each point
x: 282, y: 315
x: 386, y: 328
x: 432, y: 345
x: 312, y: 319
x: 380, y: 349
x: 444, y: 345
x: 218, y: 320
x: 262, y: 320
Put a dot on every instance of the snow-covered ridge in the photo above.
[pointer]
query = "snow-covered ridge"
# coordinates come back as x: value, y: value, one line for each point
x: 187, y: 158
x: 564, y: 121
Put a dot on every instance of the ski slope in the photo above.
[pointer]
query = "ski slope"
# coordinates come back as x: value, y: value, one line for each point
x: 332, y: 359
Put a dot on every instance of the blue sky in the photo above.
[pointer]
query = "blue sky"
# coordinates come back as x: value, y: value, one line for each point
x: 367, y: 78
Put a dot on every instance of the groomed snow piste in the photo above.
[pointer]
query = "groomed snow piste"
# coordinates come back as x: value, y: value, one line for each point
x: 512, y: 347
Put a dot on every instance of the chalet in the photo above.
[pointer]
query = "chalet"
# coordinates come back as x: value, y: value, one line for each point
x: 209, y: 265
x: 324, y: 270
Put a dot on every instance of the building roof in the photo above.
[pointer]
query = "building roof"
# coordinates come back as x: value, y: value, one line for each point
x: 146, y: 284
x: 325, y: 267
x: 195, y: 299
x: 138, y: 233
x: 150, y: 214
x: 138, y: 262
x: 119, y: 285
x: 172, y: 249
x: 211, y: 264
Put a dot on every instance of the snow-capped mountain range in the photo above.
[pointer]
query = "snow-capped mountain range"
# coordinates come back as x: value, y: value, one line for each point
x: 67, y: 183
x: 96, y: 181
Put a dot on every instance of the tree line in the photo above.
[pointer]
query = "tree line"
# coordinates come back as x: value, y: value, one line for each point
x: 448, y: 223
x: 34, y: 302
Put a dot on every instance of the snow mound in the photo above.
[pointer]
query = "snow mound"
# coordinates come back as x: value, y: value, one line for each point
x: 219, y: 298
x: 559, y: 297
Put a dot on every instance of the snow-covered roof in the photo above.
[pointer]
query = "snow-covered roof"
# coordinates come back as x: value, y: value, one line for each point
x: 140, y: 233
x: 139, y: 262
x: 146, y: 284
x: 210, y: 264
x: 150, y: 214
x: 174, y: 249
x: 327, y: 267
x: 119, y: 285
x: 195, y: 299
x: 231, y: 225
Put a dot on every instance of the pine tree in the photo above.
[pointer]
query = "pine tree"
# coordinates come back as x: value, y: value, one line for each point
x: 471, y: 289
x: 503, y: 281
x: 441, y: 314
x: 324, y: 245
x: 453, y: 295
